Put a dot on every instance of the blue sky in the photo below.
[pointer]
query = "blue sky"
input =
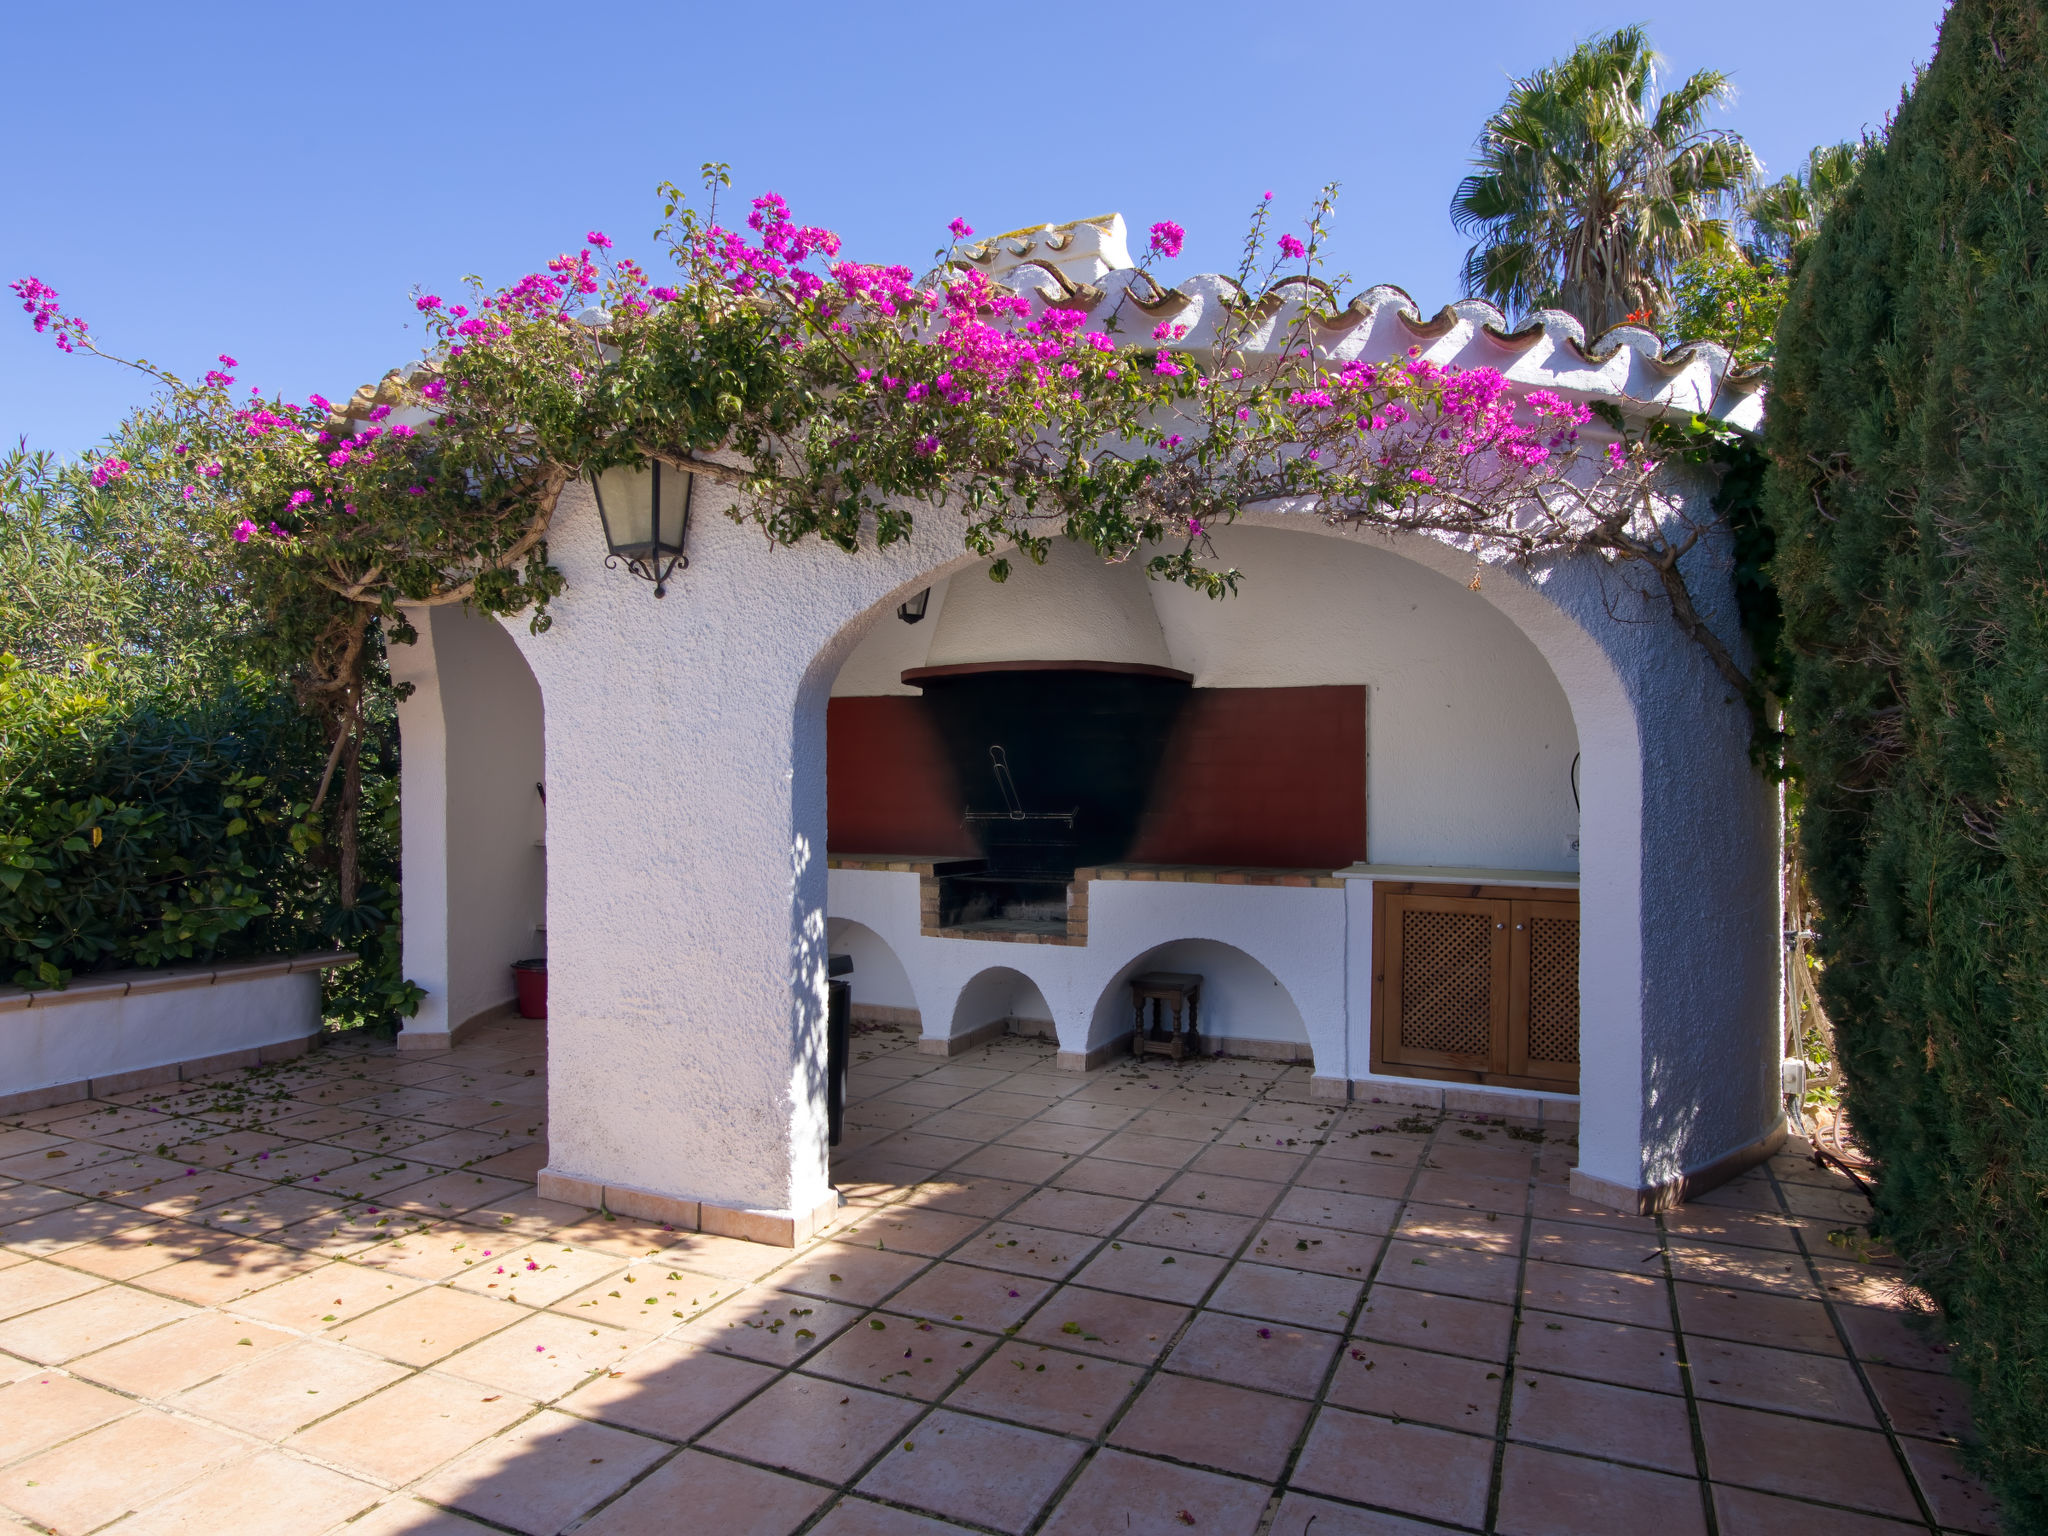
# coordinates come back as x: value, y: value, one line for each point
x: 271, y: 181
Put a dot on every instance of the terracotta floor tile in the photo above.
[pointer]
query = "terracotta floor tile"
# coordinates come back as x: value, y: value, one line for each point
x: 1024, y: 1164
x: 1469, y: 1192
x: 1395, y: 1382
x: 1800, y: 1456
x: 996, y: 1475
x: 1425, y: 1320
x: 1792, y: 1381
x: 966, y: 1196
x: 521, y: 1163
x: 1071, y: 1210
x: 1584, y: 1346
x: 44, y: 1407
x: 85, y: 1323
x: 264, y: 1211
x: 542, y: 1274
x: 410, y: 1428
x: 822, y: 1429
x: 1274, y: 1357
x: 1023, y: 1250
x: 1407, y: 1467
x: 1159, y: 1273
x: 1755, y: 1318
x: 1871, y: 1285
x: 904, y: 1355
x: 1958, y: 1499
x: 1124, y: 1495
x: 1325, y: 1250
x: 774, y: 1327
x: 1047, y: 1388
x: 15, y: 1142
x: 1745, y: 1512
x: 541, y: 1474
x: 720, y: 1495
x: 1337, y: 1208
x: 436, y: 1254
x: 224, y: 1274
x: 980, y: 1298
x: 137, y: 1250
x: 1047, y: 1136
x: 1271, y: 1294
x: 1218, y: 1192
x: 426, y: 1325
x: 1545, y: 1494
x: 1197, y: 1231
x: 861, y: 1517
x: 1216, y: 1425
x: 858, y: 1276
x: 670, y: 1390
x: 1474, y: 1275
x: 84, y: 1483
x: 1248, y: 1162
x: 1129, y: 1328
x: 1297, y: 1509
x: 646, y: 1296
x: 288, y: 1388
x: 201, y: 1347
x: 1120, y: 1180
x: 1922, y: 1403
x: 185, y: 1196
x: 1753, y: 1269
x: 44, y: 1236
x: 1909, y: 1340
x: 1597, y: 1418
x: 61, y: 1157
x: 1749, y: 1229
x: 1149, y: 1150
x: 296, y: 1161
x: 332, y: 1293
x: 706, y: 1253
x: 269, y: 1495
x: 406, y: 1516
x: 1388, y: 1180
x: 1609, y: 1295
x: 25, y: 1200
x: 452, y: 1194
x: 383, y: 1135
x: 26, y: 1287
x: 545, y: 1355
x: 1455, y: 1228
x: 1564, y: 1242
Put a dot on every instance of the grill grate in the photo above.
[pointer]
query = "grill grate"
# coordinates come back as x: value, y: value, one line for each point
x: 1447, y: 982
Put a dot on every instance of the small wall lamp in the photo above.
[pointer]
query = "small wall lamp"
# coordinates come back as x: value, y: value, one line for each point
x: 646, y: 519
x: 913, y: 610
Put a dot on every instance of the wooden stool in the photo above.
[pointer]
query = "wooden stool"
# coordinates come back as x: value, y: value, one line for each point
x: 1178, y: 989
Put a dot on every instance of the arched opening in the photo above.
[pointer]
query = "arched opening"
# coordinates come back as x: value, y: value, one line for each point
x: 882, y: 993
x: 1245, y: 1010
x: 1001, y: 1001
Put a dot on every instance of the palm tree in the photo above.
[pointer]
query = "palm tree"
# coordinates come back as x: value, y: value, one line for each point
x: 1590, y: 186
x: 1786, y: 214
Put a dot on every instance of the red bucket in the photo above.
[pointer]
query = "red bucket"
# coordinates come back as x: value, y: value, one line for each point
x: 531, y: 978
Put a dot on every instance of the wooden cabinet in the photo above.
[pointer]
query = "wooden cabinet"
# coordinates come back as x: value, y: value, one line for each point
x: 1477, y: 984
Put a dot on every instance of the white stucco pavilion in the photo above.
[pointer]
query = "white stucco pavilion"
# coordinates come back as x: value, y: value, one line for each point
x: 676, y: 872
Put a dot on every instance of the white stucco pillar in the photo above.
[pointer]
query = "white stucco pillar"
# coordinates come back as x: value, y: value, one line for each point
x: 471, y: 819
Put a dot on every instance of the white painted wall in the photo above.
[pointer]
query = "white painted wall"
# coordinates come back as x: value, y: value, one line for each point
x: 878, y: 978
x: 131, y: 1021
x: 686, y: 763
x: 1469, y: 737
x: 475, y: 875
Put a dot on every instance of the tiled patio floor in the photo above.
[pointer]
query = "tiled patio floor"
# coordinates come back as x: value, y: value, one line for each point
x: 323, y: 1297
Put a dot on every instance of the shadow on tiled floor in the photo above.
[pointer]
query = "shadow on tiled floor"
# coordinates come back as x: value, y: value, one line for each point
x: 324, y: 1297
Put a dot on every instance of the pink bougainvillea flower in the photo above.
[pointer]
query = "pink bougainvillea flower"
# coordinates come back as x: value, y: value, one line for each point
x: 109, y: 470
x: 599, y: 239
x: 961, y: 229
x: 1167, y: 237
x: 299, y: 498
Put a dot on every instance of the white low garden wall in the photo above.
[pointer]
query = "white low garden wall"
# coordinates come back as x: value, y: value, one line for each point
x: 137, y: 1029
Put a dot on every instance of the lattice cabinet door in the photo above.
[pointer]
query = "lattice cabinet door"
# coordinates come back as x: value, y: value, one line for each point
x: 1543, y: 1012
x: 1446, y: 983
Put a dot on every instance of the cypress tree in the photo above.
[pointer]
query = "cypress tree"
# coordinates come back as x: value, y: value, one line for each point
x: 1908, y: 491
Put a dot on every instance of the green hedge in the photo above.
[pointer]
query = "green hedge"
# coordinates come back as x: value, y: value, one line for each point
x: 1908, y: 431
x: 141, y: 826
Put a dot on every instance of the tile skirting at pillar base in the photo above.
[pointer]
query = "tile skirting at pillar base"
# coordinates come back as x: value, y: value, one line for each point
x: 1450, y: 1098
x: 953, y: 1045
x: 1089, y: 1060
x: 777, y: 1229
x: 1668, y: 1194
x: 447, y: 1039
